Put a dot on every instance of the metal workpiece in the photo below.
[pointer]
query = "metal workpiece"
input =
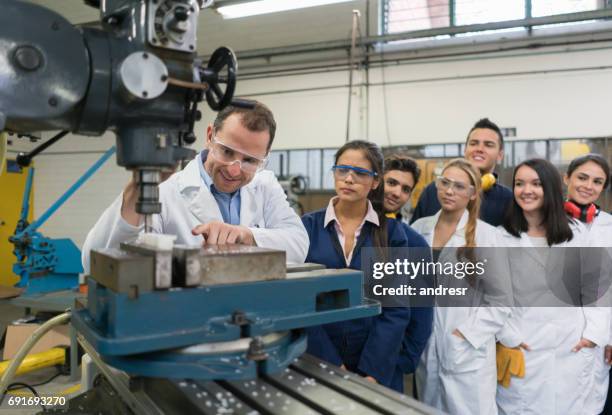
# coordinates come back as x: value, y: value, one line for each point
x: 143, y: 75
x: 186, y: 266
x: 122, y: 271
x: 317, y: 271
x: 307, y: 266
x: 232, y: 264
x: 138, y: 267
x: 162, y: 262
x: 226, y: 264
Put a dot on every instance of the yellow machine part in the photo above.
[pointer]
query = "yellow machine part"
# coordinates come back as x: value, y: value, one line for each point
x: 35, y: 361
x: 12, y: 185
x: 3, y: 150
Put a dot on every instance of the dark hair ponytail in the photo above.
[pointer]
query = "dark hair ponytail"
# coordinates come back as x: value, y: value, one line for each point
x: 374, y: 155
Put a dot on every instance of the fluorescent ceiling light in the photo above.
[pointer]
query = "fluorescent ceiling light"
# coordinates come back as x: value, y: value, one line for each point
x: 254, y: 8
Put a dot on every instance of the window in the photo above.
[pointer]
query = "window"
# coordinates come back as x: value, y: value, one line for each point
x: 411, y: 15
x: 328, y: 162
x: 404, y: 15
x: 551, y: 7
x: 524, y: 150
x: 313, y: 175
x: 298, y: 162
x: 434, y: 151
x: 277, y: 162
x: 452, y: 150
x: 474, y: 11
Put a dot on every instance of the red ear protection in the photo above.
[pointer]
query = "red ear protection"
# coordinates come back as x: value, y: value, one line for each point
x: 584, y: 214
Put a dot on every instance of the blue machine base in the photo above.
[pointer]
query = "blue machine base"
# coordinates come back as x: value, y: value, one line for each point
x: 138, y: 335
x: 227, y: 365
x: 48, y: 283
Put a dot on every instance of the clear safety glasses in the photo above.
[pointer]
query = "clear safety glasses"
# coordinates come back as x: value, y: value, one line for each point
x: 443, y: 183
x: 359, y: 174
x: 229, y: 155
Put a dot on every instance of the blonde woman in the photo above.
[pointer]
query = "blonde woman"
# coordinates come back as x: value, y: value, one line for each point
x: 457, y: 373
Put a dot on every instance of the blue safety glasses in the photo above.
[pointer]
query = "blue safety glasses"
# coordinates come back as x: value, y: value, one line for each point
x: 358, y: 173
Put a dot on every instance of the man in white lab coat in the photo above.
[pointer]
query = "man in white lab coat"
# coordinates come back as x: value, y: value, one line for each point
x: 223, y: 195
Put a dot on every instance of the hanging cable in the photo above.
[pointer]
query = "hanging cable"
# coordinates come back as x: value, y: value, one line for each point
x: 356, y: 16
x: 384, y: 92
x: 25, y: 348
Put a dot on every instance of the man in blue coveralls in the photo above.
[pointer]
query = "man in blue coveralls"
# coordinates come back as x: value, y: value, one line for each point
x: 401, y: 175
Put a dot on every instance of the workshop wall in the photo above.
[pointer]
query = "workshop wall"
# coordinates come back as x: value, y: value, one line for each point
x: 556, y: 94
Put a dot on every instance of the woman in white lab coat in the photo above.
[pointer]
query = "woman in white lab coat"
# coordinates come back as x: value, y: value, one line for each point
x: 586, y: 178
x: 457, y: 372
x: 557, y: 342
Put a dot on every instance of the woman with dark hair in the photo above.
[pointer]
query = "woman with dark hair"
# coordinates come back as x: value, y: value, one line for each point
x: 457, y: 372
x: 537, y: 208
x: 586, y: 179
x: 353, y: 220
x: 556, y: 338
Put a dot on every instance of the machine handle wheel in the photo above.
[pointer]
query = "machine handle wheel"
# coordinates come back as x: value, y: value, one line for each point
x: 221, y: 69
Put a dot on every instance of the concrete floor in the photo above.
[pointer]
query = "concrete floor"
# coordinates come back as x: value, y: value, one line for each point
x: 57, y: 387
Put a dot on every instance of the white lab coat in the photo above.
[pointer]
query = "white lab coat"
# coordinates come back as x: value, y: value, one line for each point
x: 454, y: 375
x: 187, y: 202
x: 600, y: 235
x: 556, y: 380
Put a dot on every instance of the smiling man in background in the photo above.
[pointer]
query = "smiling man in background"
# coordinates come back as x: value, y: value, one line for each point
x: 484, y: 148
x: 401, y: 175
